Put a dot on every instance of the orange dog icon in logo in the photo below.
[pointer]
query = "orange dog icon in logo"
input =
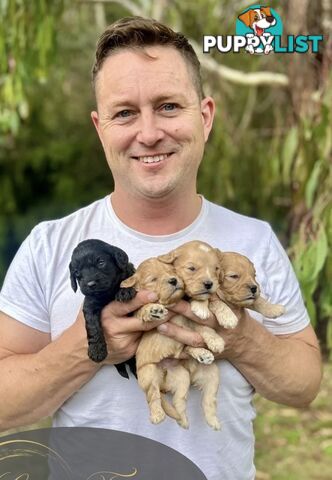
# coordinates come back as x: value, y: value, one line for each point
x: 258, y: 19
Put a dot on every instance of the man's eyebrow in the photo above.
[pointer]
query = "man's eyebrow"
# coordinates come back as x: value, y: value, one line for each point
x: 168, y: 97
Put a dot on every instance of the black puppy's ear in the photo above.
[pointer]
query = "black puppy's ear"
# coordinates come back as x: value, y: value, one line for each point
x: 120, y: 257
x: 73, y: 279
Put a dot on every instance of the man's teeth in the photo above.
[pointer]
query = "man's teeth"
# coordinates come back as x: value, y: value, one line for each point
x: 154, y: 159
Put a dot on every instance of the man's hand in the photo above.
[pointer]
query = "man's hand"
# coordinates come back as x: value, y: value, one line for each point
x: 122, y: 331
x: 292, y: 361
x: 194, y: 339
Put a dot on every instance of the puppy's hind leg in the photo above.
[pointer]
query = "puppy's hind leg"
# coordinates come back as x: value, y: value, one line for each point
x: 178, y: 382
x: 150, y: 378
x: 206, y: 378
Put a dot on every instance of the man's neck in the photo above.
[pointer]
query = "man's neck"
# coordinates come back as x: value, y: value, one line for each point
x: 156, y: 216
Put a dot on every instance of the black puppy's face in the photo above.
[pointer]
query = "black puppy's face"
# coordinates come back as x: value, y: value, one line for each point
x: 98, y: 267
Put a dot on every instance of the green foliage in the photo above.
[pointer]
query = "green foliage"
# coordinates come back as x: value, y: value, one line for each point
x: 311, y: 244
x: 27, y: 31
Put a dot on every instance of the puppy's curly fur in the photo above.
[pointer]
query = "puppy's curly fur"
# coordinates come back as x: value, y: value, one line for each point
x: 99, y: 268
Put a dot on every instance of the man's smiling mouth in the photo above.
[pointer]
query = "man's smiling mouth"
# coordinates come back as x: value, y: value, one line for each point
x: 153, y: 158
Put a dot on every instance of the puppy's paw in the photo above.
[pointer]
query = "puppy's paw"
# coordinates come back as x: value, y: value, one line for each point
x: 229, y: 320
x: 274, y: 311
x: 268, y: 49
x: 157, y: 416
x: 154, y: 311
x: 97, y: 352
x: 125, y: 294
x: 202, y: 355
x: 216, y: 344
x: 183, y: 422
x: 214, y: 423
x: 200, y: 309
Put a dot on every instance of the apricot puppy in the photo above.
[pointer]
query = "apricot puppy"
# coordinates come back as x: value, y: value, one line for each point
x: 195, y: 266
x: 238, y: 286
x: 155, y: 373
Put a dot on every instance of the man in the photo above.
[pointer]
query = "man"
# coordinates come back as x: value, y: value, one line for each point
x: 153, y: 122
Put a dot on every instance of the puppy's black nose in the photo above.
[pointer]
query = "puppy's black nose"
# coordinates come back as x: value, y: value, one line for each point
x: 208, y: 284
x: 173, y: 281
x: 91, y: 284
x: 253, y: 288
x: 270, y: 19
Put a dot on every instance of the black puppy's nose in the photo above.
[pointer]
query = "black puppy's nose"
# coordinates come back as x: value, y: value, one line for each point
x: 270, y: 19
x: 208, y: 284
x: 173, y: 281
x: 253, y: 288
x: 92, y: 283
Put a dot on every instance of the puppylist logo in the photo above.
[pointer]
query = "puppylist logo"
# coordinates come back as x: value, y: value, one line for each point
x: 258, y: 31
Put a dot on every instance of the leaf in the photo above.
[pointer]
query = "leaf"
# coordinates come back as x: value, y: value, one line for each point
x: 288, y: 153
x: 312, y: 184
x: 310, y: 261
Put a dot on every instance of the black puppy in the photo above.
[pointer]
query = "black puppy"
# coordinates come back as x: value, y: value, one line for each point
x: 99, y: 268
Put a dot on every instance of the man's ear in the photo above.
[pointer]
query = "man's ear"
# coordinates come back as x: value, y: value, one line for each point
x: 129, y: 282
x: 96, y: 122
x: 73, y: 279
x: 208, y: 108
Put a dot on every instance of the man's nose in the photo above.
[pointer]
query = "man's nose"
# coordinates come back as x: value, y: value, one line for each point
x: 149, y: 129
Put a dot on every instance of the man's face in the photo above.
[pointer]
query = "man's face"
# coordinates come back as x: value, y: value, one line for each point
x: 150, y: 121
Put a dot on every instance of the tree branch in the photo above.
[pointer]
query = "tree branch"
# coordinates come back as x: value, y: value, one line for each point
x: 238, y: 76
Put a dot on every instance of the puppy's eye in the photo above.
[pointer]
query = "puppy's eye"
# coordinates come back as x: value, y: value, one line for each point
x: 217, y: 269
x: 192, y: 268
x: 154, y: 279
x: 101, y: 262
x: 234, y: 275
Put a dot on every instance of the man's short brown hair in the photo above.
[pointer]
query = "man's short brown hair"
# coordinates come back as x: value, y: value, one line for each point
x: 138, y: 32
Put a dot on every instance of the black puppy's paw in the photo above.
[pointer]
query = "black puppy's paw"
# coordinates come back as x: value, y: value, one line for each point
x: 125, y: 294
x: 97, y: 352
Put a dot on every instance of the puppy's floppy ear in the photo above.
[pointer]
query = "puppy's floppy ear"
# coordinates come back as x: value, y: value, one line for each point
x: 220, y: 255
x: 168, y: 257
x: 267, y: 11
x: 129, y: 282
x: 120, y: 257
x: 73, y: 279
x: 245, y: 18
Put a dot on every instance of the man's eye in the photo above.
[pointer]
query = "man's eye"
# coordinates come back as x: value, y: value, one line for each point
x: 169, y: 107
x: 123, y: 114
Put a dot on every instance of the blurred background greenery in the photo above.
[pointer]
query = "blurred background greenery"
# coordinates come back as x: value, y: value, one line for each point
x: 270, y: 153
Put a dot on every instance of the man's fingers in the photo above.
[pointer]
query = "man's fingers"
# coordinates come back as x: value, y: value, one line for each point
x: 134, y: 324
x: 183, y: 308
x: 182, y: 335
x: 121, y: 309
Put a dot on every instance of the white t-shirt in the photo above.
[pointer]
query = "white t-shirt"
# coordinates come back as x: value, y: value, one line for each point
x: 37, y: 292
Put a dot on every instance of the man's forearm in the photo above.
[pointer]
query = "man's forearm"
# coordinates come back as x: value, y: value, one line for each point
x: 282, y: 369
x: 36, y: 385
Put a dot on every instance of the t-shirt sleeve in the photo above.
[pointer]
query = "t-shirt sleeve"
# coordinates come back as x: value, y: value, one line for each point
x: 283, y: 287
x: 23, y: 295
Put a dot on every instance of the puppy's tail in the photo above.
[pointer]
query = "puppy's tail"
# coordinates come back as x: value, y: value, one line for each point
x: 169, y: 408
